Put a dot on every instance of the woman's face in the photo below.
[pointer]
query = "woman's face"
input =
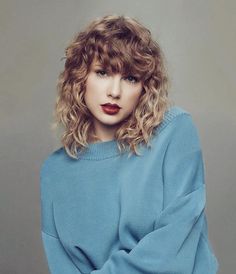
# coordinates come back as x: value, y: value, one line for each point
x: 103, y: 88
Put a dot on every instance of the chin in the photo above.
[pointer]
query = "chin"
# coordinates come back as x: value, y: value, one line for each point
x: 111, y: 122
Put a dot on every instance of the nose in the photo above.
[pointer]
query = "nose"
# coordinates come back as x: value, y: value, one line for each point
x: 115, y: 86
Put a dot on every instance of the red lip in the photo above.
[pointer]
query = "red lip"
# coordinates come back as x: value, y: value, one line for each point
x: 111, y: 105
x: 108, y: 109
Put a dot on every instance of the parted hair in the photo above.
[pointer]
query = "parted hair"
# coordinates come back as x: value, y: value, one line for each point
x: 122, y: 45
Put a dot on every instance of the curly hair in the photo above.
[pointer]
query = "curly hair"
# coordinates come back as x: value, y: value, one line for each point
x: 124, y: 45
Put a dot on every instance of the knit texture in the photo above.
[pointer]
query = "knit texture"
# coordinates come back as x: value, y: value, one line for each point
x: 108, y: 213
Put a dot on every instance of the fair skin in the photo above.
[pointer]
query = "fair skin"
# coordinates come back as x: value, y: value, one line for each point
x: 103, y: 87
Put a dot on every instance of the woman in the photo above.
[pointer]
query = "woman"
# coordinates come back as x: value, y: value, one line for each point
x: 125, y: 194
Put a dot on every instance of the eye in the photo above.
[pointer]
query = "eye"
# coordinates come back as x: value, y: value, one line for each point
x: 132, y: 79
x: 101, y: 73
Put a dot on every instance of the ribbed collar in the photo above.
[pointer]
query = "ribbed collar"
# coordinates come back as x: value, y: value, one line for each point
x: 108, y: 149
x: 100, y: 150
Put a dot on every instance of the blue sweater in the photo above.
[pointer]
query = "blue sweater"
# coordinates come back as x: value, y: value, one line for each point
x: 109, y: 214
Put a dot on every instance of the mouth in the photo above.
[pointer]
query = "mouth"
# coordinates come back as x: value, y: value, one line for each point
x: 111, y: 105
x: 110, y: 108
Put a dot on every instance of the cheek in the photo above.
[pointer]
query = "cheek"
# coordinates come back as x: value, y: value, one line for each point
x: 95, y: 87
x: 134, y: 97
x: 130, y: 103
x: 90, y: 91
x: 89, y: 86
x: 89, y: 95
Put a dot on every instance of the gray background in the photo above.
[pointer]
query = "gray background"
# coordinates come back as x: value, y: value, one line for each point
x: 198, y: 39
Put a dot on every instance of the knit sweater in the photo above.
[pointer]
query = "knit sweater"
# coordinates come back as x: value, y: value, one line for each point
x: 107, y: 213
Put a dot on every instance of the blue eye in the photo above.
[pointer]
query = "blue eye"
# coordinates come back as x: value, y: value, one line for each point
x: 132, y: 79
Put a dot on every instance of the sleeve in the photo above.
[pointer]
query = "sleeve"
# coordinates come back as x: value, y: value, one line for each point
x: 172, y: 245
x: 59, y: 262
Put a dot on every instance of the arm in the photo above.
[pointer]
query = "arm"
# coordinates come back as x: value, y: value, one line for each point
x: 59, y: 262
x: 172, y: 246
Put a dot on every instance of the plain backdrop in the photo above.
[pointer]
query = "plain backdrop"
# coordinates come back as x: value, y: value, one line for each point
x: 199, y: 41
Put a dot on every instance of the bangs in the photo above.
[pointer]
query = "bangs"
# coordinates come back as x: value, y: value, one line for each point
x: 117, y: 56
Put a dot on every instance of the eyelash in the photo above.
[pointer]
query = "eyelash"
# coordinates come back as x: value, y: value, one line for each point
x: 100, y: 75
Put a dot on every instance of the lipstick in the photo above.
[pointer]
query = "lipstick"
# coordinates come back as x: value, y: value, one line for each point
x: 110, y: 108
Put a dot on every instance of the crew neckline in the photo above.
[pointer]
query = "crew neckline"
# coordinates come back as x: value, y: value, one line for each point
x: 108, y: 149
x: 100, y: 150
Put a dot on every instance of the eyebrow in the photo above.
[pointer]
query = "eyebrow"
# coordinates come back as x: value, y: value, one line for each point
x: 98, y: 65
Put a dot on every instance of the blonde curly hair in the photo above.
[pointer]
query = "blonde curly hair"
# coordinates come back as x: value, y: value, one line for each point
x: 123, y: 45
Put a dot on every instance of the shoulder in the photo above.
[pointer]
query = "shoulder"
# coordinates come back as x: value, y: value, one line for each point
x: 52, y: 162
x: 178, y: 126
x: 172, y: 116
x: 176, y: 118
x: 52, y: 169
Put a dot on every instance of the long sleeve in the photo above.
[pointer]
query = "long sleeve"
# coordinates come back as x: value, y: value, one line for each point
x: 59, y: 262
x: 176, y: 242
